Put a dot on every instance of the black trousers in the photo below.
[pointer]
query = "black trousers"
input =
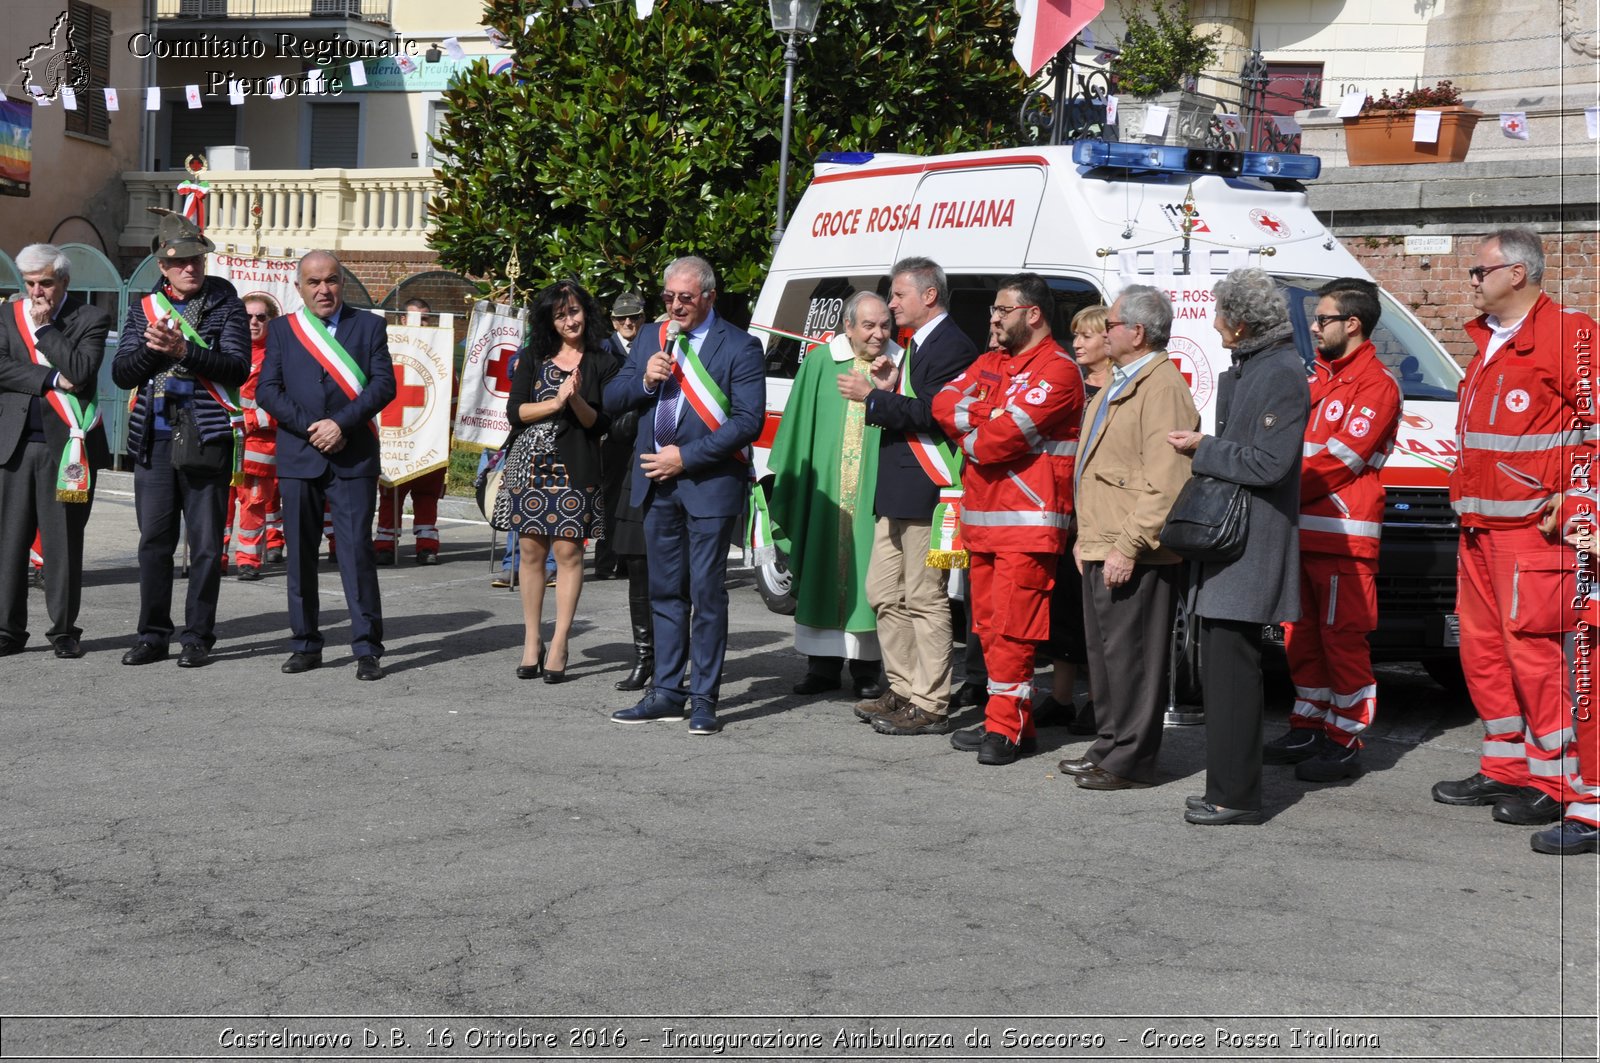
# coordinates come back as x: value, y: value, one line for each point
x: 28, y: 501
x: 1127, y: 630
x: 160, y: 495
x: 352, y: 503
x: 1230, y: 679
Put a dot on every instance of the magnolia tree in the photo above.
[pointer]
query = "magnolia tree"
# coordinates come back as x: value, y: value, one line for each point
x: 614, y: 143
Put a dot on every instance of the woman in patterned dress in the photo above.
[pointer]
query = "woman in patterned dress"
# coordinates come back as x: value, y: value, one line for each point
x: 553, y: 461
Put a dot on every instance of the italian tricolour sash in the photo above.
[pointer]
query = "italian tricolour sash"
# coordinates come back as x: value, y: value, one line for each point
x: 72, y: 476
x: 942, y: 463
x: 330, y: 354
x: 157, y: 307
x: 700, y: 391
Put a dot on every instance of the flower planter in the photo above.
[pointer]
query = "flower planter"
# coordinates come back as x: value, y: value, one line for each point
x: 1383, y: 138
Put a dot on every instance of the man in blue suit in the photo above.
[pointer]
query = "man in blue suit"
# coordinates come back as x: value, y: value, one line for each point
x: 700, y: 385
x: 326, y: 376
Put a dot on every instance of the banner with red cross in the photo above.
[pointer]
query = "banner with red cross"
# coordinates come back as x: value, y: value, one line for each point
x: 414, y: 429
x: 494, y: 336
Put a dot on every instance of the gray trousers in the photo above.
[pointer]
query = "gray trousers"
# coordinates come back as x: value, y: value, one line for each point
x: 28, y: 501
x: 1128, y: 630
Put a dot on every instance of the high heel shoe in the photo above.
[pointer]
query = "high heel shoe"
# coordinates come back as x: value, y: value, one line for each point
x: 533, y: 671
x: 553, y: 675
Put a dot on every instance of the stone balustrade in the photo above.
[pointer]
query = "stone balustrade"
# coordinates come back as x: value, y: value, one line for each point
x: 336, y: 210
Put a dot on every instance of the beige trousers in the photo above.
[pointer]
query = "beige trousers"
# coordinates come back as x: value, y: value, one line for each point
x: 913, y: 613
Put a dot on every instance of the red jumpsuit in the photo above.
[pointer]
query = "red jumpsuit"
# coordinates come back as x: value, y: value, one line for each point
x: 425, y: 492
x: 260, y: 519
x: 1525, y: 434
x: 1355, y: 412
x: 1016, y: 419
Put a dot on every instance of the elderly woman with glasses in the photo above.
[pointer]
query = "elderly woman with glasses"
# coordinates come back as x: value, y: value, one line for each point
x: 1262, y: 405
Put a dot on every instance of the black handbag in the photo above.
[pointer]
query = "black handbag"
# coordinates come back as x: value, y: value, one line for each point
x: 1209, y: 521
x: 192, y: 454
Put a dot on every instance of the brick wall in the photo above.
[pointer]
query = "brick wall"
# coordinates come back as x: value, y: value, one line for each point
x: 1436, y: 288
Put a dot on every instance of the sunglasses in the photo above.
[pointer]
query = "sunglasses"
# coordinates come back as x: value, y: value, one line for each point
x: 627, y: 317
x: 1477, y: 273
x: 259, y: 317
x: 679, y: 297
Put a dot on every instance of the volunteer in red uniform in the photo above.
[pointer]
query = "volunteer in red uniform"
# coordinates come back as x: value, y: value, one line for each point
x: 1525, y: 431
x: 1355, y: 412
x: 260, y: 522
x: 1015, y: 413
x: 425, y: 492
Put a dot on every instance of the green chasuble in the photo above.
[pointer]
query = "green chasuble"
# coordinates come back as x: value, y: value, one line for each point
x: 825, y: 468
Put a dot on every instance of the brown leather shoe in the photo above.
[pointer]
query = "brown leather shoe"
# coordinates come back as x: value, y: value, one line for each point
x: 882, y: 705
x: 1078, y: 767
x: 910, y: 720
x: 1100, y: 779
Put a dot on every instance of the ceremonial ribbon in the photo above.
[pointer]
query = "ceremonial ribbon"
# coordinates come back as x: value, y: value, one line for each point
x: 700, y: 391
x: 942, y: 464
x: 72, y: 476
x: 331, y: 355
x: 157, y: 307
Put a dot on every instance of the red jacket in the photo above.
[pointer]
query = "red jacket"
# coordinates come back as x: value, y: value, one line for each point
x: 1016, y: 419
x: 1525, y: 427
x: 260, y: 435
x: 1355, y: 412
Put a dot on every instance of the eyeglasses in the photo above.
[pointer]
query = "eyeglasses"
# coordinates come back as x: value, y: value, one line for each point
x: 680, y: 297
x: 627, y: 317
x: 1323, y: 319
x: 1002, y: 311
x: 1477, y: 273
x: 1110, y: 324
x: 259, y: 317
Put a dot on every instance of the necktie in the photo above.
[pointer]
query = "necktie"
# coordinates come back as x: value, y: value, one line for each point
x: 667, y: 413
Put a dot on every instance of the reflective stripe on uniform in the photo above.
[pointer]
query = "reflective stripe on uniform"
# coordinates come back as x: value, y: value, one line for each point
x: 1489, y: 507
x: 1553, y: 769
x: 1504, y: 725
x: 1004, y: 518
x: 1341, y: 525
x: 1347, y: 457
x: 962, y: 418
x: 1552, y: 743
x: 1516, y: 444
x: 1513, y: 750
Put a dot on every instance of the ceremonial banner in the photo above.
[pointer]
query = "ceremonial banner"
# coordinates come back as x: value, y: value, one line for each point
x: 414, y: 429
x: 494, y: 336
x: 272, y: 277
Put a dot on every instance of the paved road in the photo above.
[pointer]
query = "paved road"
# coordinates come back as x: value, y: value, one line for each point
x: 452, y: 845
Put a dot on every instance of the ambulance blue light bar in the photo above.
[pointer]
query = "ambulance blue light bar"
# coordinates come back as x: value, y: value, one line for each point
x: 849, y: 158
x: 1167, y: 158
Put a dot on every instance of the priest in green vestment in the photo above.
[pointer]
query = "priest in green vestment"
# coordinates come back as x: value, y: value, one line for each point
x: 825, y: 468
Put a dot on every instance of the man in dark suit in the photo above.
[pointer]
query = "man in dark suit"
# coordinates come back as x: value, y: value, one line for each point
x: 51, y: 346
x: 907, y: 595
x: 327, y: 374
x: 184, y: 351
x: 702, y: 405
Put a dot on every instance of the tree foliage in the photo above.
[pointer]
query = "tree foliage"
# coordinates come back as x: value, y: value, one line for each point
x: 616, y: 144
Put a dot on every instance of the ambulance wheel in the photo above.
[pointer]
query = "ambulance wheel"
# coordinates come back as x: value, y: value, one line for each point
x: 1446, y: 671
x: 773, y: 581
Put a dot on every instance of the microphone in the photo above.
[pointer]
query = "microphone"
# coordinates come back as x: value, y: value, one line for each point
x: 674, y: 330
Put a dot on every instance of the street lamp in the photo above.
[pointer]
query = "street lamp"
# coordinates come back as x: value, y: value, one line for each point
x: 791, y: 17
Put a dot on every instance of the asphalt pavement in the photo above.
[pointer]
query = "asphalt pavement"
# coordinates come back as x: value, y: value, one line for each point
x: 229, y: 862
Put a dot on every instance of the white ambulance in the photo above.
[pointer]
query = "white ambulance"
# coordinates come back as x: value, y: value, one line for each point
x: 1091, y: 218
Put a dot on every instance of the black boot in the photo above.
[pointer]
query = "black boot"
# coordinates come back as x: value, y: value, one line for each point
x: 644, y: 644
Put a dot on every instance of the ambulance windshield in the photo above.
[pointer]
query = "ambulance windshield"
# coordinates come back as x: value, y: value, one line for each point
x: 1411, y: 353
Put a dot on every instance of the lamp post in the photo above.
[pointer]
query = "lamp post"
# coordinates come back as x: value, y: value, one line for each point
x: 790, y: 17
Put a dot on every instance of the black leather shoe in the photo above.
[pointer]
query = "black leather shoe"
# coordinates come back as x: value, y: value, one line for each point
x: 248, y: 574
x: 1194, y: 801
x: 274, y: 555
x: 383, y: 557
x: 145, y: 653
x: 1209, y: 815
x: 998, y: 749
x: 368, y: 669
x: 815, y: 684
x: 868, y: 689
x: 1081, y: 766
x: 68, y: 648
x: 301, y: 662
x: 1477, y: 789
x: 9, y: 648
x: 1527, y: 810
x: 1100, y: 779
x: 1048, y: 712
x: 427, y: 557
x: 193, y: 656
x: 643, y: 671
x: 1083, y: 721
x: 969, y: 740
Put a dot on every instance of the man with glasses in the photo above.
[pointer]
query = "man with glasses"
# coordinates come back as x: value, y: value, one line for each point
x: 184, y: 351
x: 260, y: 522
x: 1526, y: 440
x: 1015, y: 413
x: 699, y: 384
x: 1355, y: 413
x: 51, y: 441
x: 1127, y: 480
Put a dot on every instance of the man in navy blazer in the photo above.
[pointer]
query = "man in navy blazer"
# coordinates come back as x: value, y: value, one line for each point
x: 692, y: 481
x: 326, y: 376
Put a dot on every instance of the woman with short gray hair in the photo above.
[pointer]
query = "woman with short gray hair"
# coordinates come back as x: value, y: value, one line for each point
x: 1262, y: 405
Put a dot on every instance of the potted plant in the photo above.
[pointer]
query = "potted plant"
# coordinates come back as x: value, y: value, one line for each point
x: 1159, y: 63
x: 1381, y: 134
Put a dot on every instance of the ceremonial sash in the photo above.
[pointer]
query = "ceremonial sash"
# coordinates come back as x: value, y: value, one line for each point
x: 157, y: 307
x: 700, y: 391
x: 331, y: 355
x: 72, y: 475
x: 760, y: 542
x: 942, y: 464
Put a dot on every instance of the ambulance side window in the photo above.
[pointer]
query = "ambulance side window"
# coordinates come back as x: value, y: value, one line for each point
x: 811, y: 310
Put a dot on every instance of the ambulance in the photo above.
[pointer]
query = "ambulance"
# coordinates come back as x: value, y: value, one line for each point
x: 1092, y: 217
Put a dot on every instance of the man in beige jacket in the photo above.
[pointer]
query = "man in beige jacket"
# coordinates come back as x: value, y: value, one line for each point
x: 1128, y: 478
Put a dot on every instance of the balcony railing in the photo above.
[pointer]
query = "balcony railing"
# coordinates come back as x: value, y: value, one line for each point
x: 335, y: 210
x: 364, y: 10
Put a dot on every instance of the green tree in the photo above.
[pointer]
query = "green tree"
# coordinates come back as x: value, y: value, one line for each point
x: 615, y: 143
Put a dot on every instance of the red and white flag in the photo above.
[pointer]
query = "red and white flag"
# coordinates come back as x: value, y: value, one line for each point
x: 1046, y: 26
x: 1514, y: 124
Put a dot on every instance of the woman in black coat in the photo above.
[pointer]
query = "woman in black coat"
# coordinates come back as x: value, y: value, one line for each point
x: 552, y: 476
x: 1262, y: 407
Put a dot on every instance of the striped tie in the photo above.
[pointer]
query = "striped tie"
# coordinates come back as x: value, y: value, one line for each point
x: 667, y: 413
